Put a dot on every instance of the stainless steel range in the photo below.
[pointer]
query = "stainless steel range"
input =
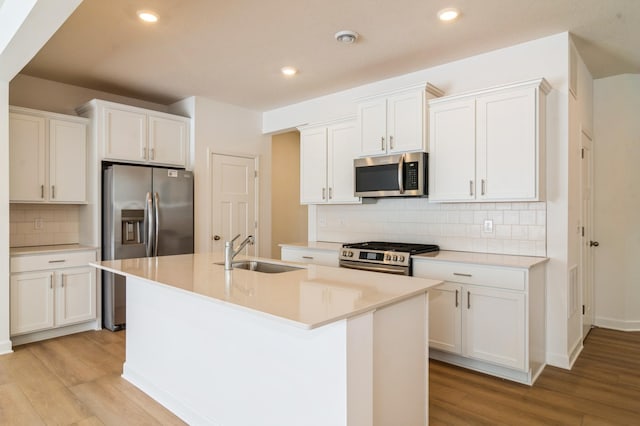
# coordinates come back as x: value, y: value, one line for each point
x: 392, y: 258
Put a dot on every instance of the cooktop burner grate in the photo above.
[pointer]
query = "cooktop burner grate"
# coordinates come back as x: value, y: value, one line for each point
x: 411, y: 248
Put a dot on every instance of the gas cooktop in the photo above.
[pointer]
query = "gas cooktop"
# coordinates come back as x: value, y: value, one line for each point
x: 409, y: 248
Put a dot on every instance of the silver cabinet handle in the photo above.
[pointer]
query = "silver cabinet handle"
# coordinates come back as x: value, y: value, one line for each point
x: 382, y: 143
x: 468, y: 300
x: 53, y: 191
x: 62, y: 282
x: 324, y: 193
x: 391, y: 142
x: 459, y: 274
x: 457, y: 298
x: 471, y: 188
x: 152, y: 153
x: 57, y: 261
x: 330, y: 193
x: 42, y: 191
x: 482, y: 184
x: 144, y: 153
x: 307, y: 257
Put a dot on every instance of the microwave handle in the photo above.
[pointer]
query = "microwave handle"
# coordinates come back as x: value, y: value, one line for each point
x: 401, y: 174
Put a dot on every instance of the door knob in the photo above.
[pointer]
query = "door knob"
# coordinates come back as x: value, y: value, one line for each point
x: 216, y: 237
x: 593, y: 244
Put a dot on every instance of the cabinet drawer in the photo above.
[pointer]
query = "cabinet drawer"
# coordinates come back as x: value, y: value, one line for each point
x: 465, y: 273
x: 56, y: 260
x: 317, y: 257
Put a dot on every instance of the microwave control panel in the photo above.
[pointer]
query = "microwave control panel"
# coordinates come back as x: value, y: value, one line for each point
x: 411, y: 175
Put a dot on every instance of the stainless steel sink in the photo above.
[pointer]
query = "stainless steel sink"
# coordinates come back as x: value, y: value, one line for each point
x: 264, y: 267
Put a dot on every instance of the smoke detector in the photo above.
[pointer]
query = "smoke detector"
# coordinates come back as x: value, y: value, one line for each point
x: 346, y: 36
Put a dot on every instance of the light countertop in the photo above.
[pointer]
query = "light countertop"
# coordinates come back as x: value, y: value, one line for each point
x: 308, y: 298
x: 18, y: 251
x: 482, y: 258
x: 315, y: 245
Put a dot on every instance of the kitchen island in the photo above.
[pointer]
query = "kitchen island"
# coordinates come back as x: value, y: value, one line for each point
x: 315, y: 346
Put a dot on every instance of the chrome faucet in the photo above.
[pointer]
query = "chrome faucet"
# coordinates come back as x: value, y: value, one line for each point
x: 230, y: 253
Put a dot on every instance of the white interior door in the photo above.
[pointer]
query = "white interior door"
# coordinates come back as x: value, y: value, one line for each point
x: 233, y: 200
x: 586, y: 248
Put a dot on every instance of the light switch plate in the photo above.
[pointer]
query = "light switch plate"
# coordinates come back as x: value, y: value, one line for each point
x: 488, y: 226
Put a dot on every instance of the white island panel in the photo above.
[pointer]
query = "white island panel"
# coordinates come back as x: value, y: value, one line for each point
x: 215, y: 365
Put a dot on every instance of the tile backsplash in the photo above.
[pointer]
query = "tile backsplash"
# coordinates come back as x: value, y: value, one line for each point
x: 518, y: 228
x: 40, y: 225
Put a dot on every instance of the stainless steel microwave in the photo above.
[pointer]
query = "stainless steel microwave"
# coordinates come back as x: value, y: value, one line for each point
x: 401, y: 175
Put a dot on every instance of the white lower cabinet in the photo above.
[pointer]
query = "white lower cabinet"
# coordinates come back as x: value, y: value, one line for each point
x: 308, y: 255
x: 50, y: 291
x: 487, y: 318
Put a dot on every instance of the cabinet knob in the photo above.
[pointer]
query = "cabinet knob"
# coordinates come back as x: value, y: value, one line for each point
x: 593, y: 244
x: 382, y: 143
x: 216, y: 237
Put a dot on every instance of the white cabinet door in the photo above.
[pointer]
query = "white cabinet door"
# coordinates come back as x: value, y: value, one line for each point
x: 372, y: 124
x: 494, y: 326
x: 67, y: 161
x: 167, y: 141
x: 125, y: 135
x: 405, y: 122
x: 27, y: 153
x: 342, y: 148
x: 452, y: 156
x: 31, y: 302
x: 75, y: 296
x: 507, y: 150
x: 313, y: 166
x: 445, y: 320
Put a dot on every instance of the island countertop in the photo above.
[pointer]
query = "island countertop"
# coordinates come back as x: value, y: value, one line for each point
x: 310, y: 297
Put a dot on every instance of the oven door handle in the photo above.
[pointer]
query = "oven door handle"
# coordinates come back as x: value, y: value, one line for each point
x: 401, y: 174
x: 376, y: 268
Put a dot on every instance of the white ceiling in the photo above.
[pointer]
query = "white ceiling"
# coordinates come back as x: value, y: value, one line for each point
x: 232, y: 51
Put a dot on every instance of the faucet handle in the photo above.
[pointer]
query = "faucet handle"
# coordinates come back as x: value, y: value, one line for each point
x: 235, y: 238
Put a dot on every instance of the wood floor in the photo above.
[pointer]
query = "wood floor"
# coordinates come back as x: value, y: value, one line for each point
x: 75, y: 380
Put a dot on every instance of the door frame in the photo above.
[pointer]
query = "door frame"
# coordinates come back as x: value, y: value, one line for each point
x: 586, y: 269
x: 256, y: 201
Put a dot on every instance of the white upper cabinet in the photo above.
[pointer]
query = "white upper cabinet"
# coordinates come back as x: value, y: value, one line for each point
x: 326, y: 163
x: 47, y: 157
x: 395, y: 122
x: 137, y: 135
x: 488, y: 145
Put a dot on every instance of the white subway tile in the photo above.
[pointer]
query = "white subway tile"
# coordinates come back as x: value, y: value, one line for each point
x: 474, y: 231
x: 519, y: 232
x: 527, y: 217
x: 511, y: 217
x: 541, y: 217
x: 511, y: 247
x: 503, y: 206
x: 537, y: 233
x: 466, y: 216
x: 495, y: 246
x: 527, y: 248
x: 453, y: 217
x: 479, y: 245
x: 496, y: 216
x: 503, y: 231
x: 479, y: 217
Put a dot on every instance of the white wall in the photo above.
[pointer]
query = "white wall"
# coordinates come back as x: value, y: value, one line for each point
x: 546, y: 57
x: 226, y: 129
x: 617, y: 201
x: 25, y: 25
x: 47, y: 95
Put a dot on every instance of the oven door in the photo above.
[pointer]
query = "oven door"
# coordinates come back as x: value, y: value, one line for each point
x: 388, y: 269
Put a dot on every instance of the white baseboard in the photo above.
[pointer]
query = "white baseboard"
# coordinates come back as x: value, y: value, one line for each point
x: 167, y: 400
x: 5, y: 347
x: 54, y: 332
x: 616, y: 324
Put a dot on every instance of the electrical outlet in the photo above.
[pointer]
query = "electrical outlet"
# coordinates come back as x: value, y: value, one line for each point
x: 488, y: 226
x: 37, y: 224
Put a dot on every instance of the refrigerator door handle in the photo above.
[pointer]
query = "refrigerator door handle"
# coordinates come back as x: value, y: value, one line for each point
x: 148, y: 207
x: 156, y: 206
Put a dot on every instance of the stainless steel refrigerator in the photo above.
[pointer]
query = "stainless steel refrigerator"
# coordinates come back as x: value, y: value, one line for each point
x: 146, y: 211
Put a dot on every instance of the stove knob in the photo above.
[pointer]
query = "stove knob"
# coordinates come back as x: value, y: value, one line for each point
x: 387, y: 257
x: 350, y: 254
x: 344, y: 253
x: 401, y: 258
x: 395, y: 257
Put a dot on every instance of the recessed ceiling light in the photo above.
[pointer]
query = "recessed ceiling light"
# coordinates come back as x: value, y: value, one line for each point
x: 147, y: 16
x: 346, y: 36
x: 288, y: 71
x: 448, y: 14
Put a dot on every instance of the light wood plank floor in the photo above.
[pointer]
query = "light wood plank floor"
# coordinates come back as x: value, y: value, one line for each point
x: 75, y: 380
